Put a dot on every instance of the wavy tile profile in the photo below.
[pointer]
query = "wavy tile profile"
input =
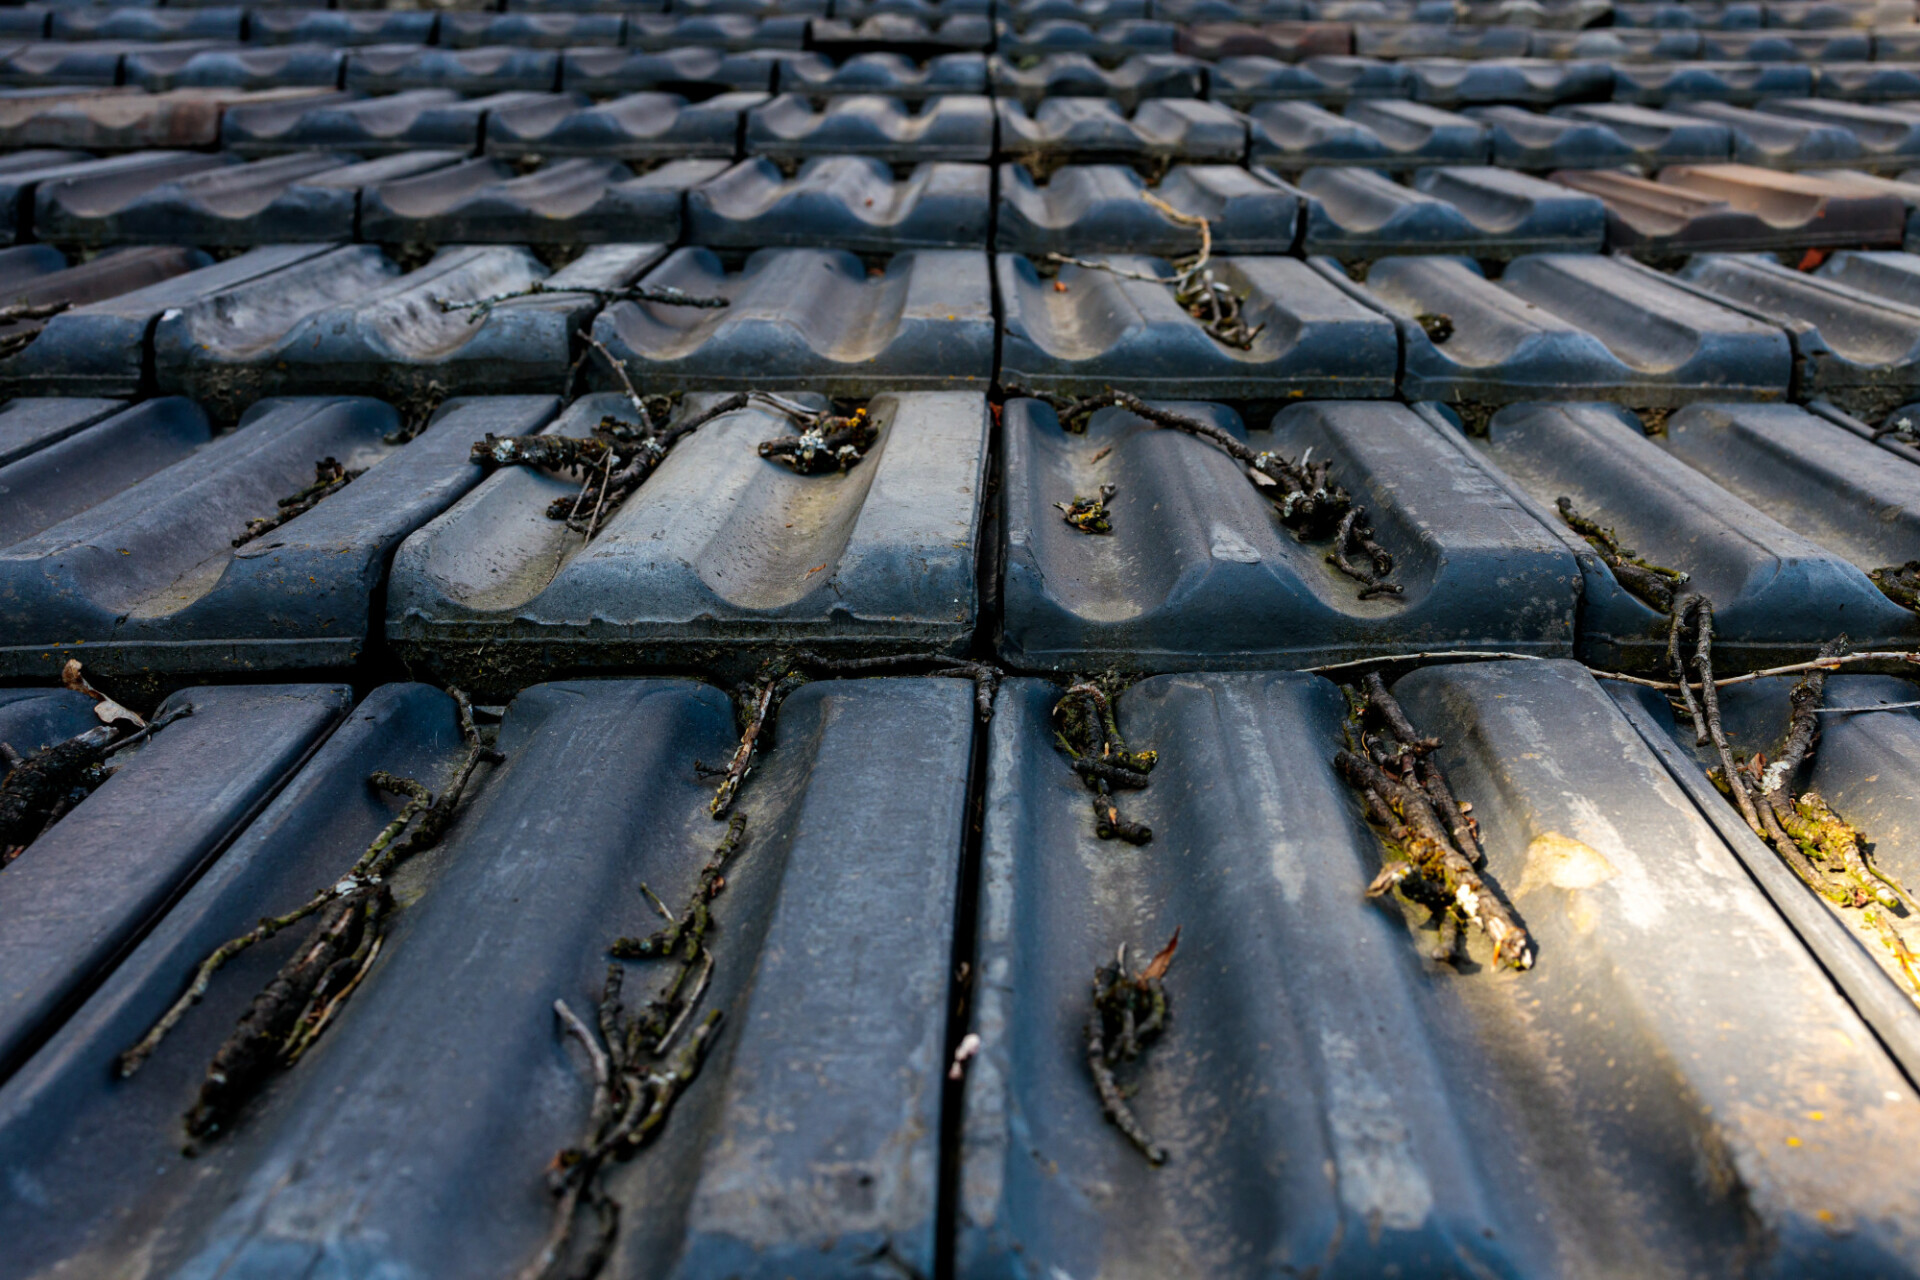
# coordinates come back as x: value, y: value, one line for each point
x: 1090, y: 328
x: 719, y: 549
x: 136, y: 569
x: 1199, y: 573
x: 808, y: 1143
x: 397, y: 336
x: 1363, y: 1109
x: 1567, y: 326
x: 810, y: 319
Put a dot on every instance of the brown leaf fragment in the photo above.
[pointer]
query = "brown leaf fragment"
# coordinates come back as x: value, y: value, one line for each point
x: 1162, y: 959
x: 106, y: 709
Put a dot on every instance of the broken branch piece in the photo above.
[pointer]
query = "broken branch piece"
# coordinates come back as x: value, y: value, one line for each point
x: 1433, y: 841
x: 329, y: 477
x: 1304, y: 494
x: 1656, y: 585
x: 757, y: 702
x: 1090, y: 735
x: 635, y: 1080
x: 1129, y: 1013
x: 620, y: 456
x: 311, y: 987
x: 483, y: 307
x: 1816, y: 843
x: 1206, y: 299
x: 827, y: 444
x: 38, y: 790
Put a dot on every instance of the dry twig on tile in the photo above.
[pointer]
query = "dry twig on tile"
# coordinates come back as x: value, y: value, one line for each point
x: 1087, y: 730
x: 1433, y: 839
x: 1308, y: 500
x: 1129, y: 1013
x: 329, y: 477
x: 313, y: 985
x: 637, y: 1073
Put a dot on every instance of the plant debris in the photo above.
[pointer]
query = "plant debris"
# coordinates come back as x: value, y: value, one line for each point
x: 415, y: 408
x: 483, y: 307
x: 1088, y: 732
x: 1355, y: 533
x: 1690, y: 616
x: 329, y: 477
x: 1900, y: 583
x: 1304, y: 494
x: 938, y: 666
x: 37, y: 791
x: 1901, y: 429
x: 105, y: 709
x: 308, y: 992
x: 1808, y: 836
x: 40, y: 789
x: 756, y: 704
x: 757, y: 701
x: 1129, y: 1013
x: 826, y: 443
x: 636, y: 1075
x: 1200, y: 295
x: 1437, y: 326
x: 1817, y: 844
x: 619, y: 457
x: 1090, y: 515
x: 1654, y: 584
x: 1904, y: 959
x: 1433, y: 838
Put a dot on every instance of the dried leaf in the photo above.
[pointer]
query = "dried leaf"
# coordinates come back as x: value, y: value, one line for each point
x: 108, y: 711
x: 1163, y: 959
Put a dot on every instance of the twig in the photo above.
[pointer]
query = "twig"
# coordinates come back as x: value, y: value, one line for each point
x: 309, y: 990
x: 18, y: 311
x: 329, y: 477
x: 1654, y: 584
x: 1194, y: 287
x: 1068, y: 260
x: 1433, y: 839
x: 1089, y: 733
x: 37, y: 790
x: 1129, y: 1013
x: 1854, y: 711
x: 1304, y: 494
x: 827, y: 444
x: 759, y: 702
x: 627, y: 455
x: 636, y: 1083
x: 1425, y: 655
x: 985, y: 676
x: 620, y: 371
x: 483, y: 307
x: 1766, y: 673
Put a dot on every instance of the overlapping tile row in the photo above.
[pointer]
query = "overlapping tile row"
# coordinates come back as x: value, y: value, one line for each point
x: 1734, y: 331
x: 308, y: 317
x: 1459, y: 66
